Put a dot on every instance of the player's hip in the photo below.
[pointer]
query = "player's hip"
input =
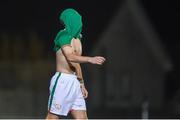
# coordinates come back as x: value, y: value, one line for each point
x: 64, y: 81
x: 65, y: 68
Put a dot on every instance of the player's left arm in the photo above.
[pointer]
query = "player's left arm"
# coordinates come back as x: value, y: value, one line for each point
x: 78, y: 69
x: 81, y: 80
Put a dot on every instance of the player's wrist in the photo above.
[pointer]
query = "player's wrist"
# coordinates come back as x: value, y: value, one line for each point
x: 81, y: 82
x: 89, y: 60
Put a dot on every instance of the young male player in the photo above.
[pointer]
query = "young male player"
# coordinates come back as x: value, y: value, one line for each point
x: 67, y: 91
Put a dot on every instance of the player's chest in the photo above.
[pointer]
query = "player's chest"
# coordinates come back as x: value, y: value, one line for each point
x: 76, y: 45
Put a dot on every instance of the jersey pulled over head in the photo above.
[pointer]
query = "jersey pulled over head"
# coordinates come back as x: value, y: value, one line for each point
x: 72, y: 21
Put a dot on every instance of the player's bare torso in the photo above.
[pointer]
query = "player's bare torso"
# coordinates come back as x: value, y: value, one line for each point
x: 62, y: 65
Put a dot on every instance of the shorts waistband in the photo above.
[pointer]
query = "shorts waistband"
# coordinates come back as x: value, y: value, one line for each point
x: 67, y: 74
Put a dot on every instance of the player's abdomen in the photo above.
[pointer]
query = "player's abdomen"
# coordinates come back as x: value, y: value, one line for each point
x: 62, y: 65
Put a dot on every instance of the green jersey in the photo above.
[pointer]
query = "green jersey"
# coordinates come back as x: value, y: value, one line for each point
x: 73, y: 26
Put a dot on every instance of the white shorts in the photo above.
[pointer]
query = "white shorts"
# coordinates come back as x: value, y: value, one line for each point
x: 65, y: 94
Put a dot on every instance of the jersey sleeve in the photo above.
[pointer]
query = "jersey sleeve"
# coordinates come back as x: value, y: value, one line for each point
x: 62, y: 39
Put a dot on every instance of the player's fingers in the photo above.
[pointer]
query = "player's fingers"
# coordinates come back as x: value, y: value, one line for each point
x: 83, y: 94
x: 86, y: 94
x: 102, y: 58
x: 100, y: 61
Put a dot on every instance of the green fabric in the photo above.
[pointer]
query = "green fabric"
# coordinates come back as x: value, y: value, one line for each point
x: 72, y: 21
x: 53, y: 91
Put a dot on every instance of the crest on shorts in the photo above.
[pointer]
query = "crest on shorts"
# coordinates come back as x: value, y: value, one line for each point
x: 57, y: 106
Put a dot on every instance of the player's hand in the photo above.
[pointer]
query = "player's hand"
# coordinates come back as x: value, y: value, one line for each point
x: 84, y: 91
x: 97, y: 60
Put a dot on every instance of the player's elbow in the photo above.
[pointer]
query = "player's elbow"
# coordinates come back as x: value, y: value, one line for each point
x: 70, y: 58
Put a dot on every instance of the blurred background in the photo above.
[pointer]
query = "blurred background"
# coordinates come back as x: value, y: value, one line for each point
x: 139, y: 38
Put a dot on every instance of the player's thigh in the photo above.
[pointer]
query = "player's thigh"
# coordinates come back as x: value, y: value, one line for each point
x: 51, y: 116
x: 79, y: 114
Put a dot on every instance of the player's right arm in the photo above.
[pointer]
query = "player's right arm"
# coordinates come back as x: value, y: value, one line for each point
x: 71, y: 57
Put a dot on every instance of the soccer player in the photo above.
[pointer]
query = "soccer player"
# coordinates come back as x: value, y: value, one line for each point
x: 67, y: 90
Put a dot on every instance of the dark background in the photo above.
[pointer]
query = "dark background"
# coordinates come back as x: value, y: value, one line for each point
x: 22, y: 20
